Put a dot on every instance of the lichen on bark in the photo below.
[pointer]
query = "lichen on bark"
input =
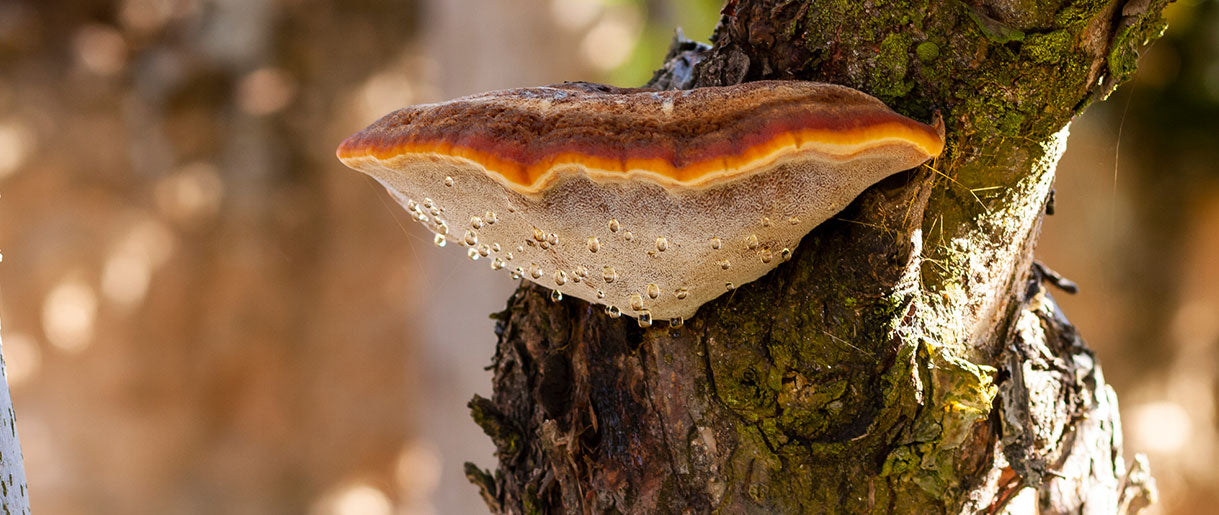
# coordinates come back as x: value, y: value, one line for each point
x: 871, y: 372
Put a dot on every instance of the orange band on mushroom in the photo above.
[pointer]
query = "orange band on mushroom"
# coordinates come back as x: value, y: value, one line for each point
x: 751, y: 125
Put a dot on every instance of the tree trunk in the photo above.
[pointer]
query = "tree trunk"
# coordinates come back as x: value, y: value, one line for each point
x: 907, y: 358
x: 14, y: 495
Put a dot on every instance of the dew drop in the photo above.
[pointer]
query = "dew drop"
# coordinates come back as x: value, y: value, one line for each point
x: 613, y: 311
x: 636, y: 301
x: 793, y: 220
x: 552, y: 238
x: 581, y: 272
x: 538, y: 234
x: 729, y: 286
x: 440, y: 240
x: 421, y: 217
x: 535, y: 271
x: 495, y: 247
x: 765, y: 221
x: 473, y: 253
x: 600, y: 294
x: 518, y: 273
x: 508, y: 256
x: 752, y: 242
x: 476, y: 222
x: 427, y: 203
x: 785, y: 254
x: 545, y: 245
x: 630, y: 236
x: 593, y: 244
x: 560, y: 277
x: 614, y: 225
x: 556, y: 295
x: 662, y: 244
x: 531, y: 243
x: 724, y: 264
x: 448, y: 181
x: 681, y: 293
x: 411, y: 205
x: 442, y: 227
x: 645, y: 319
x: 676, y: 322
x: 520, y: 248
x: 490, y: 217
x: 497, y: 264
x: 484, y: 250
x: 716, y: 243
x: 653, y: 290
x: 609, y: 274
x: 471, y: 238
x: 767, y: 256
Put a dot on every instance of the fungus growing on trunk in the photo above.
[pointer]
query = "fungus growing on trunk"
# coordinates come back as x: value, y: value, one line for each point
x: 649, y: 202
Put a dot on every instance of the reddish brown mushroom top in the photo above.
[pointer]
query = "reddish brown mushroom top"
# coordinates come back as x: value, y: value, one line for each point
x: 689, y: 138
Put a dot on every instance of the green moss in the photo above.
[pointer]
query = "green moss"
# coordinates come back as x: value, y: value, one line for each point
x: 992, y: 29
x: 1123, y: 58
x: 1049, y: 48
x: 888, y: 79
x: 962, y: 394
x: 927, y: 51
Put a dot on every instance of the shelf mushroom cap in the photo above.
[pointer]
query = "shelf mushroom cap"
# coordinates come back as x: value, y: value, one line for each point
x: 649, y: 202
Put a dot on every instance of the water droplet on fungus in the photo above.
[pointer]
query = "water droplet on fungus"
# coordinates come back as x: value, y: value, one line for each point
x: 653, y: 290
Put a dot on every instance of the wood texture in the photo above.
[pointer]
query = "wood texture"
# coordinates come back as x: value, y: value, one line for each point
x: 907, y: 359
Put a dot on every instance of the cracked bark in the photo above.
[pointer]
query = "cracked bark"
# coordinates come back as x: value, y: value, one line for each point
x: 907, y: 357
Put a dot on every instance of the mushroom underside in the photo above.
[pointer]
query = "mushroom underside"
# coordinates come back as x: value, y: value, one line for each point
x: 650, y: 251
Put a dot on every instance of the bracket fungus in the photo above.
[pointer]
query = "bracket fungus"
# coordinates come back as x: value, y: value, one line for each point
x: 649, y: 202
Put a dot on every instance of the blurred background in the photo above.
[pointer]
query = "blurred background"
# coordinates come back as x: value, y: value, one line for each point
x: 204, y: 312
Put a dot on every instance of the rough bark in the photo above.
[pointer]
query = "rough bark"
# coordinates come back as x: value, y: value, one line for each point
x: 907, y: 357
x: 14, y: 494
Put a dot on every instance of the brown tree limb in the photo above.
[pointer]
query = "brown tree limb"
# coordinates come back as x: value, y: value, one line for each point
x: 905, y: 359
